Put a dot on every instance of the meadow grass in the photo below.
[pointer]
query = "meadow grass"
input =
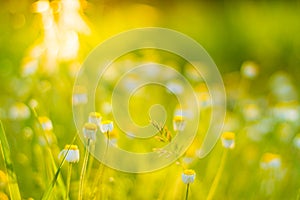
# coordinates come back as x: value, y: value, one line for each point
x: 12, y: 178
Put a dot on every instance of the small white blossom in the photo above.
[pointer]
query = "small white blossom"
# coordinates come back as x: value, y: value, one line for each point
x: 106, y: 126
x: 178, y: 123
x: 188, y: 176
x: 79, y: 96
x: 89, y: 131
x: 19, y: 111
x: 249, y: 70
x: 228, y: 140
x: 270, y: 161
x: 71, y: 152
x: 95, y: 118
x: 46, y: 123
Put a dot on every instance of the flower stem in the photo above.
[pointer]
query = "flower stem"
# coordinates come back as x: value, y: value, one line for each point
x: 100, y: 170
x: 216, y: 181
x: 187, y: 191
x: 83, y: 170
x: 48, y: 192
x: 69, y: 179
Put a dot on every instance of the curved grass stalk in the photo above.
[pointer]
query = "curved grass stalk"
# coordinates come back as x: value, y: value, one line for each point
x: 216, y: 181
x: 187, y: 191
x: 69, y: 179
x: 51, y: 163
x: 83, y: 170
x: 100, y: 171
x: 12, y: 178
x: 48, y: 192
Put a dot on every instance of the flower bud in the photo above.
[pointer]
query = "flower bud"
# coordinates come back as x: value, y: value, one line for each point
x: 71, y: 152
x: 228, y: 140
x: 45, y: 123
x: 89, y: 131
x: 188, y: 176
x: 106, y: 126
x: 178, y: 123
x: 95, y: 118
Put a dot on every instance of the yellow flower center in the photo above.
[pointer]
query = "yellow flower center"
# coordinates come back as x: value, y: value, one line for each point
x: 189, y: 172
x: 178, y: 118
x: 113, y: 134
x: 72, y: 147
x: 268, y: 157
x: 228, y: 136
x: 43, y: 119
x: 106, y: 122
x: 90, y: 126
x: 95, y: 114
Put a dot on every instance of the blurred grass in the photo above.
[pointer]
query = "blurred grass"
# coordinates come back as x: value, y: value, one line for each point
x: 9, y: 168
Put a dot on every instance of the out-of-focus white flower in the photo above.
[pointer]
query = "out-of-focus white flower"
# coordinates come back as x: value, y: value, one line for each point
x: 270, y: 161
x: 131, y: 82
x: 71, y: 18
x: 79, y: 96
x: 282, y: 87
x: 249, y: 69
x: 175, y: 87
x: 45, y: 123
x: 228, y: 140
x: 27, y: 133
x: 40, y: 6
x: 187, y: 114
x: 33, y: 103
x: 19, y: 111
x: 287, y: 111
x: 179, y: 123
x: 192, y: 73
x: 71, y: 152
x: 69, y: 45
x: 113, y: 137
x: 106, y: 107
x: 204, y: 100
x: 107, y: 126
x: 29, y: 66
x: 89, y: 131
x: 297, y: 141
x: 95, y: 118
x: 251, y: 112
x: 188, y: 176
x: 187, y: 160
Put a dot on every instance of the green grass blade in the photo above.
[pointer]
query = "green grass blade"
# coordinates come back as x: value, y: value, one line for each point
x: 12, y: 178
x: 48, y: 192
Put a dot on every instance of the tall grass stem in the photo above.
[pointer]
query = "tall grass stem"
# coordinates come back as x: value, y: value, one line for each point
x: 83, y: 170
x: 216, y: 181
x: 69, y: 179
x: 12, y: 178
